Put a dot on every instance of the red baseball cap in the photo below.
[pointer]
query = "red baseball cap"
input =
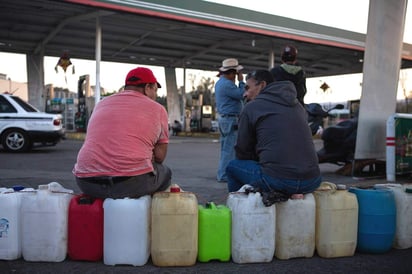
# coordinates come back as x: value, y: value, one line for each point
x: 139, y: 76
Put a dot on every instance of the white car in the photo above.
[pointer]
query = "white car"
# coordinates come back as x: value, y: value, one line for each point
x: 215, y: 126
x: 22, y: 125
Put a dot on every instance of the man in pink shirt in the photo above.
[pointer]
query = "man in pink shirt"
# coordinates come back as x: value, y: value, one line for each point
x: 126, y: 142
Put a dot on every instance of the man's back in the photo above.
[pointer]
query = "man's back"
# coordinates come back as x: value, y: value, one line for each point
x: 284, y: 144
x: 293, y: 73
x: 121, y: 135
x: 228, y: 96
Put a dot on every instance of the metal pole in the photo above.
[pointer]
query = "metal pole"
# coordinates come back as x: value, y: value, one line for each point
x: 98, y: 59
x: 183, y: 107
x: 271, y: 63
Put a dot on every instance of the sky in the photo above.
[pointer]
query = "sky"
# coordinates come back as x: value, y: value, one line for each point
x: 349, y: 14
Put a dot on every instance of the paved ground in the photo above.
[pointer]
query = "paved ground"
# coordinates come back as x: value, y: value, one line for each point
x: 193, y: 162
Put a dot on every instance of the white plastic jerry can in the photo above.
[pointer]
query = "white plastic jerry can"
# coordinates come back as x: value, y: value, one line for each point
x: 10, y: 239
x: 403, y: 200
x: 44, y: 224
x: 253, y: 228
x: 295, y: 228
x: 126, y: 231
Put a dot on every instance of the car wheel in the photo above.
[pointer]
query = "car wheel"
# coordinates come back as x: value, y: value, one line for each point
x: 16, y: 140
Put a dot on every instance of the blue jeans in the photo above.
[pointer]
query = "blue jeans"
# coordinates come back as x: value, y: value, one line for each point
x: 228, y: 135
x: 241, y: 172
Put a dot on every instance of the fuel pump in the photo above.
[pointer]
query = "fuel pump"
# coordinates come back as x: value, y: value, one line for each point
x: 81, y: 114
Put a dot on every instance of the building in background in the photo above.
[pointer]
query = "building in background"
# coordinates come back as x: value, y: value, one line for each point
x: 17, y: 88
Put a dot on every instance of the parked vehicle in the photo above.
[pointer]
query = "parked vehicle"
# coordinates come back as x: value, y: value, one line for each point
x: 22, y: 125
x: 316, y: 116
x: 215, y: 126
x: 339, y: 143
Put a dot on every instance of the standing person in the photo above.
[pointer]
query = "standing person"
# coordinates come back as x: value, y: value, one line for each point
x: 126, y: 142
x: 289, y: 70
x: 274, y: 149
x: 229, y: 98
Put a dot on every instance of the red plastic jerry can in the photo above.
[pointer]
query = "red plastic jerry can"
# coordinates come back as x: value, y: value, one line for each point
x: 85, y: 231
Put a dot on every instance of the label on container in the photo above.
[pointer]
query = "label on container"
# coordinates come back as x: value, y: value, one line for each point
x: 4, y: 227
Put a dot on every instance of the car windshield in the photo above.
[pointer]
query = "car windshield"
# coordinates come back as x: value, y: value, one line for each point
x: 27, y: 107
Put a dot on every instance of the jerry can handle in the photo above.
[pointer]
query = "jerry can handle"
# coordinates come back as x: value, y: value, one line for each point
x: 211, y: 205
x: 325, y: 185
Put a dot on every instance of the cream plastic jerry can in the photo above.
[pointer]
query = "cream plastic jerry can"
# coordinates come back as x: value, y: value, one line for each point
x: 174, y: 223
x: 336, y: 221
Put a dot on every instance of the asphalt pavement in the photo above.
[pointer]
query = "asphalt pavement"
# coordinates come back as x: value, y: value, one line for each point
x: 193, y: 161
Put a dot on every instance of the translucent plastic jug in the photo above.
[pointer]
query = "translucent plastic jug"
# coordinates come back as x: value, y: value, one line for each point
x: 295, y: 228
x: 174, y: 228
x: 403, y: 199
x: 85, y: 231
x: 336, y: 221
x: 10, y: 221
x: 253, y: 228
x: 44, y: 224
x: 126, y: 231
x: 214, y: 232
x: 10, y: 238
x: 377, y: 219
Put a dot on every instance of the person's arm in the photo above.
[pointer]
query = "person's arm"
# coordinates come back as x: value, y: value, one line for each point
x: 160, y: 148
x: 240, y: 76
x: 159, y: 153
x: 234, y: 91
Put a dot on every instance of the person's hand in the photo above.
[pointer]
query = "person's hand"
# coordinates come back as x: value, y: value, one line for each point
x: 239, y: 76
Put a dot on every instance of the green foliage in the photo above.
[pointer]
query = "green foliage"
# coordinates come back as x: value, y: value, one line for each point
x: 162, y: 100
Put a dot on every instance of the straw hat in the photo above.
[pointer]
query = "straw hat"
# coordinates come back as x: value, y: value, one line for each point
x: 230, y: 63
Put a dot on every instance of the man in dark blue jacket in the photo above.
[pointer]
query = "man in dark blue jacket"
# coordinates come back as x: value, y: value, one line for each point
x: 274, y: 149
x: 290, y: 71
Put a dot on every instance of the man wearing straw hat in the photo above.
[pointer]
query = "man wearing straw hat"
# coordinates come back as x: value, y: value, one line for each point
x: 229, y: 98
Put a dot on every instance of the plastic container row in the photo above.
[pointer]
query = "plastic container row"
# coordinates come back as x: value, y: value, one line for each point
x: 48, y: 223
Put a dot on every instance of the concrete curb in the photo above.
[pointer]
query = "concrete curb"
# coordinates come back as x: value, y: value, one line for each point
x: 213, y: 135
x: 75, y: 135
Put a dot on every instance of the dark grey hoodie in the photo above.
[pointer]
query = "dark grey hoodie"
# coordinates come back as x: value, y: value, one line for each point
x: 273, y: 130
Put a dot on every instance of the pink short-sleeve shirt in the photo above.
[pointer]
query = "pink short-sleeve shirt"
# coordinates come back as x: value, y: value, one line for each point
x: 121, y: 135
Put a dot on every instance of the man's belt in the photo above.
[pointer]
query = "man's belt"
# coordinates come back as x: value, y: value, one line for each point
x: 106, y: 180
x: 229, y: 115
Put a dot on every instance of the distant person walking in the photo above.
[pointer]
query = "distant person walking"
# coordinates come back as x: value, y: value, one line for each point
x: 289, y: 70
x: 229, y: 103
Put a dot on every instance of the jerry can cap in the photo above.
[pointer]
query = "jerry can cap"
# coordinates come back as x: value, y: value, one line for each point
x: 18, y: 187
x: 174, y: 188
x: 341, y: 187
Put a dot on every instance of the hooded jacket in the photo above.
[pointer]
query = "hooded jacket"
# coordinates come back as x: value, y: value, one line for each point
x: 273, y: 131
x: 293, y: 73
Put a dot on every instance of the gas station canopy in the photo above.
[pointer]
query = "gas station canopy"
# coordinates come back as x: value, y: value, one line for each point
x: 185, y: 34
